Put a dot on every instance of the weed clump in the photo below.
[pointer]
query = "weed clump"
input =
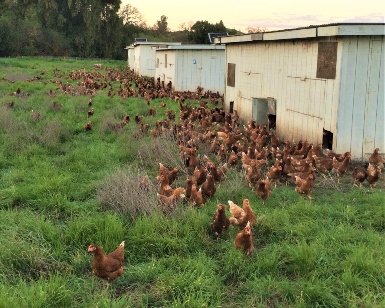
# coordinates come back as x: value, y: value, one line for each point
x: 161, y: 150
x: 128, y: 192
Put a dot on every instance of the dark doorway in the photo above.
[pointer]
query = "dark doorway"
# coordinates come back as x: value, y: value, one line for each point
x: 327, y: 140
x: 231, y: 106
x: 272, y: 119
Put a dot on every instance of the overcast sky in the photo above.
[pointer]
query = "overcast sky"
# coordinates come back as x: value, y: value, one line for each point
x: 269, y: 14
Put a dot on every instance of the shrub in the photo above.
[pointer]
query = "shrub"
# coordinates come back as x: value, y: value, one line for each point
x: 161, y: 150
x: 128, y: 192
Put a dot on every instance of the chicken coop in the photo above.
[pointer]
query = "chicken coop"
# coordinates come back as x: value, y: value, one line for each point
x: 130, y: 56
x: 144, y: 57
x: 190, y: 66
x: 323, y: 84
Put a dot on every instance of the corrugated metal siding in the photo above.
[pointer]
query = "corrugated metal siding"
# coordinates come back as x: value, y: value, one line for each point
x: 166, y: 74
x: 136, y: 59
x: 192, y: 68
x: 286, y: 71
x: 130, y: 57
x: 361, y: 102
x: 147, y: 63
x: 144, y: 63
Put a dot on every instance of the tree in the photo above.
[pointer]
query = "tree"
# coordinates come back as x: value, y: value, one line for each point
x: 161, y: 25
x: 131, y: 15
x: 255, y: 29
x: 200, y: 30
x: 186, y: 26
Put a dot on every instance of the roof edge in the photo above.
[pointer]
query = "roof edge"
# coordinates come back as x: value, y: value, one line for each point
x: 336, y: 29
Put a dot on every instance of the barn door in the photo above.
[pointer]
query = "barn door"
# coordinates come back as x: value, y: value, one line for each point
x: 260, y: 110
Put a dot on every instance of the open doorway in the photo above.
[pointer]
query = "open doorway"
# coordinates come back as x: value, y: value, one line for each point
x: 272, y: 118
x: 259, y: 110
x: 231, y: 106
x: 327, y: 139
x: 264, y: 111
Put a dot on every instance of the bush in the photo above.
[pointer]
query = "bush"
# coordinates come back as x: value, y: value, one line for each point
x: 128, y: 192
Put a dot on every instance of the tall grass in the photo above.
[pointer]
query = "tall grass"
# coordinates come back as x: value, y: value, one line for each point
x: 63, y: 188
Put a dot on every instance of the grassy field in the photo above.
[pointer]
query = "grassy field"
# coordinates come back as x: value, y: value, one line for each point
x: 63, y: 188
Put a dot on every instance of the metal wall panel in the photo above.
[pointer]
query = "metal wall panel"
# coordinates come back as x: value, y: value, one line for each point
x: 361, y: 104
x: 373, y: 104
x: 379, y: 137
x: 190, y: 68
x: 284, y: 70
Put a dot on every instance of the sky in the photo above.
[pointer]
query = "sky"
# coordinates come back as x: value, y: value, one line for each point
x: 269, y: 14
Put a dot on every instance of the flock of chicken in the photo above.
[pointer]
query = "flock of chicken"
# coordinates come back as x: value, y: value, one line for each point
x: 249, y: 148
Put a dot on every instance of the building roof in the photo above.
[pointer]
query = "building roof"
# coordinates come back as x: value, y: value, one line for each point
x: 193, y: 47
x: 336, y: 29
x: 156, y: 43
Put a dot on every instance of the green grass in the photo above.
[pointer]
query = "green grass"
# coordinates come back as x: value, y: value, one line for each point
x: 58, y: 184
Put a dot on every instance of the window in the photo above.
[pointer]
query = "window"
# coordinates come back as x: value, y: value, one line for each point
x: 165, y: 60
x: 231, y: 74
x: 157, y: 62
x: 327, y: 60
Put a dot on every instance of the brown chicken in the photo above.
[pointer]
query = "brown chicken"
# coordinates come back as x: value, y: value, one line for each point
x: 170, y: 174
x: 56, y: 106
x: 376, y: 160
x: 188, y: 187
x: 236, y: 211
x: 199, y: 175
x: 240, y: 217
x: 287, y: 169
x: 274, y: 140
x: 373, y: 174
x: 214, y: 147
x: 232, y: 161
x: 275, y: 174
x: 219, y: 174
x: 171, y: 202
x: 315, y: 150
x: 196, y: 198
x: 339, y: 157
x: 220, y: 221
x: 88, y: 126
x: 252, y: 176
x: 108, y: 267
x: 163, y: 169
x: 264, y: 189
x: 208, y: 187
x: 165, y: 188
x: 192, y: 161
x: 341, y: 167
x: 244, y: 240
x: 359, y: 175
x: 323, y: 164
x: 304, y: 186
x: 304, y: 173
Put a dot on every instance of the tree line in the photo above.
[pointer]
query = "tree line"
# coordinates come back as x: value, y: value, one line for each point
x: 87, y: 28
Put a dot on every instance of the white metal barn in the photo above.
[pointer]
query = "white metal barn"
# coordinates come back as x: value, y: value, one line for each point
x: 190, y: 66
x: 144, y: 57
x: 321, y: 77
x: 130, y: 56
